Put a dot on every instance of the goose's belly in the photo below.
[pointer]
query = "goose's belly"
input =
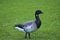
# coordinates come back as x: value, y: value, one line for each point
x: 31, y: 28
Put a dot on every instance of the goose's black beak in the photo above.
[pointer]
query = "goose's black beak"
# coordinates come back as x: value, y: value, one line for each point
x: 41, y: 12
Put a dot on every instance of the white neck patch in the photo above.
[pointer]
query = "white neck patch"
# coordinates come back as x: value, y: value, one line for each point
x: 36, y: 15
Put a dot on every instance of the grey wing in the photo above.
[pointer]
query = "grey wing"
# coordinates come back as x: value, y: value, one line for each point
x: 30, y: 26
x: 28, y: 23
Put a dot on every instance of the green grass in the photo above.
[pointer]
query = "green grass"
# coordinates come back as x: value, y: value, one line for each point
x: 19, y: 11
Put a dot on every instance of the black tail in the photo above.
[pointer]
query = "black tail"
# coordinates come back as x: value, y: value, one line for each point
x: 19, y: 25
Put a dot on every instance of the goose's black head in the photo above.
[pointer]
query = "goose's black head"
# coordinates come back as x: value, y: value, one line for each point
x: 38, y: 12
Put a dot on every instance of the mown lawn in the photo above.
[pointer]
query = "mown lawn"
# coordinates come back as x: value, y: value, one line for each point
x: 19, y: 11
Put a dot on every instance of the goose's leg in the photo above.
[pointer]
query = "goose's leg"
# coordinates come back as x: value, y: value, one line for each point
x: 29, y: 35
x: 25, y: 35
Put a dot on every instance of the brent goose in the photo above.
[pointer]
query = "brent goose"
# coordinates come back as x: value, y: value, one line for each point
x: 30, y: 26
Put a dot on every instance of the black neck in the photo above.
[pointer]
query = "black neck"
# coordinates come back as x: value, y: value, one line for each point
x: 37, y: 21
